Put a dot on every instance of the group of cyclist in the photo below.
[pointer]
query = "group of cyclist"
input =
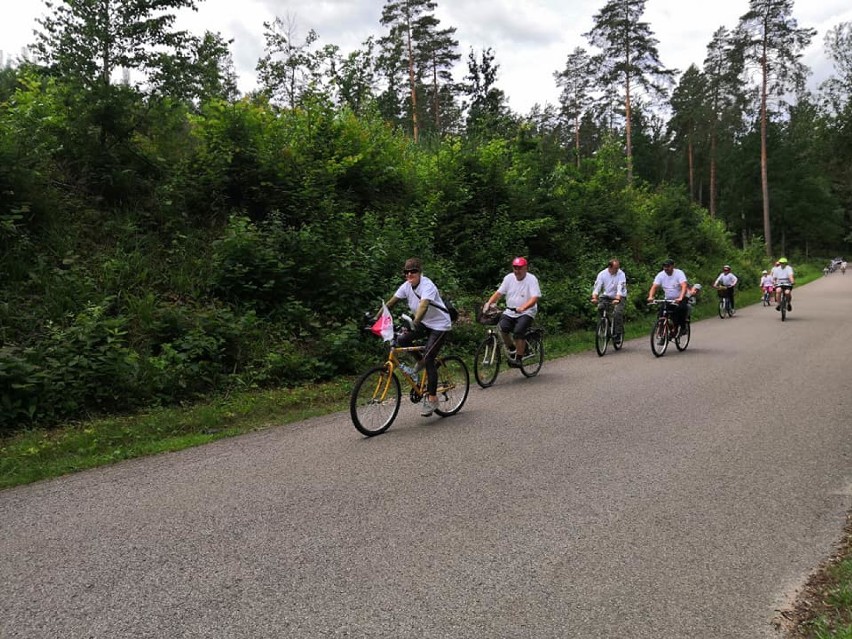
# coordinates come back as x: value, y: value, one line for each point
x: 431, y: 320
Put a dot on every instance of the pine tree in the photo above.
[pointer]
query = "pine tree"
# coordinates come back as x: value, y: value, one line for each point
x: 576, y: 81
x: 690, y: 116
x: 629, y: 57
x: 772, y: 41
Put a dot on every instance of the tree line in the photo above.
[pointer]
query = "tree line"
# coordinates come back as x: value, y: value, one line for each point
x: 168, y: 238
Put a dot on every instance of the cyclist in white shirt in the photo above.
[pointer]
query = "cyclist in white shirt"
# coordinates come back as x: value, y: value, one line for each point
x: 673, y: 282
x: 522, y: 294
x: 783, y: 277
x: 766, y: 282
x: 612, y: 283
x: 431, y: 320
x: 725, y: 283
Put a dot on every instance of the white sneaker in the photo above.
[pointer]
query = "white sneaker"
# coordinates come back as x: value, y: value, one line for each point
x: 427, y: 408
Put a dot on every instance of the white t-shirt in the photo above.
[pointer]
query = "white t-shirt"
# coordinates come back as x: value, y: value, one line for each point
x: 782, y: 275
x: 435, y: 318
x: 611, y: 285
x: 517, y: 292
x: 670, y: 283
x: 766, y: 280
x: 726, y: 279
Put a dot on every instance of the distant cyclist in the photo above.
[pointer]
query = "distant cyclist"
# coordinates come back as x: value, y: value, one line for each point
x: 522, y: 294
x: 783, y: 277
x: 673, y: 282
x: 766, y: 283
x: 692, y: 293
x: 725, y: 284
x: 612, y: 284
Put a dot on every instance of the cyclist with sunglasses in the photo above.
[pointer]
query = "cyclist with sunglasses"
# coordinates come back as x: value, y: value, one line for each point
x: 431, y: 321
x: 522, y: 294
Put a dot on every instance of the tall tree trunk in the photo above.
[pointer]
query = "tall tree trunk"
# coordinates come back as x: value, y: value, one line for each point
x: 691, y: 161
x: 629, y: 130
x: 435, y: 96
x: 764, y: 178
x: 414, y: 124
x: 577, y: 140
x: 713, y: 173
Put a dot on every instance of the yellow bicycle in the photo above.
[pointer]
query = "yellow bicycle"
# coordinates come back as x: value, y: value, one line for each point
x: 377, y: 395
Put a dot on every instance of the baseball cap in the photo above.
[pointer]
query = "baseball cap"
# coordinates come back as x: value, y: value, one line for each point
x: 782, y: 260
x: 726, y: 267
x: 668, y: 262
x: 519, y: 261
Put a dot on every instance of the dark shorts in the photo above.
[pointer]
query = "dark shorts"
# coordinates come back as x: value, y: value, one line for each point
x: 517, y: 326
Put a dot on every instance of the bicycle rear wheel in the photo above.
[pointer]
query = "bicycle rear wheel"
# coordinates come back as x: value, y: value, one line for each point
x: 534, y: 355
x: 784, y: 307
x: 601, y: 336
x: 453, y: 385
x: 374, y: 402
x: 618, y: 341
x: 486, y: 361
x: 682, y: 340
x: 660, y: 337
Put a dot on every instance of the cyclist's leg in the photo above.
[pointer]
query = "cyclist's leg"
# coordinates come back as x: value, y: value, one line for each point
x: 520, y: 333
x: 433, y: 347
x: 507, y: 326
x: 680, y: 314
x: 618, y: 318
x: 731, y: 294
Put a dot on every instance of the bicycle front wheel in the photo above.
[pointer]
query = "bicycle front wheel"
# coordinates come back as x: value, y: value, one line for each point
x: 601, y: 339
x: 660, y: 337
x: 534, y: 355
x: 722, y: 308
x: 375, y: 401
x: 682, y: 340
x: 453, y: 385
x: 486, y: 362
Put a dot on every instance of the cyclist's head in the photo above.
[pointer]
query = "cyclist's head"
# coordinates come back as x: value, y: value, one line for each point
x: 764, y: 272
x: 782, y: 260
x: 726, y: 268
x: 412, y: 269
x: 668, y: 264
x: 697, y: 288
x: 519, y: 261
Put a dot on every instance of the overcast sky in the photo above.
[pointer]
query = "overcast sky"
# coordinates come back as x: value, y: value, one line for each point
x: 530, y: 38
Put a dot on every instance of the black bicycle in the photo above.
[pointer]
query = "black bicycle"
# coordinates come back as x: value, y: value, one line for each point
x: 489, y: 353
x: 603, y: 332
x: 785, y: 300
x: 725, y: 307
x: 665, y: 330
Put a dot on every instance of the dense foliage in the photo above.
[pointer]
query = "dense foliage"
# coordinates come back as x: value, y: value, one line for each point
x: 157, y: 247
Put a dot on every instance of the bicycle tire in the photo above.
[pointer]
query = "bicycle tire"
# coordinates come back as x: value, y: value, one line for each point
x: 534, y: 356
x: 722, y: 308
x: 375, y: 400
x: 486, y: 361
x: 453, y: 385
x: 618, y: 341
x: 602, y: 336
x: 682, y: 341
x: 783, y: 307
x: 660, y: 337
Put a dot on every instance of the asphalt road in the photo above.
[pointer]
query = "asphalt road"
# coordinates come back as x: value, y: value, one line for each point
x: 624, y: 496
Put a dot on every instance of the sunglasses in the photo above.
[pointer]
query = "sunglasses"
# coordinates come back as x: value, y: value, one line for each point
x: 410, y: 271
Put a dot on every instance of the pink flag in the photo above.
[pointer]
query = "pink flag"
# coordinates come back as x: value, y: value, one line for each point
x: 384, y: 325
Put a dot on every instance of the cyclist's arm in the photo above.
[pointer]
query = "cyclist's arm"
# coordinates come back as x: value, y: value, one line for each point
x: 653, y: 291
x: 528, y: 304
x: 493, y: 299
x: 682, y: 291
x: 421, y: 310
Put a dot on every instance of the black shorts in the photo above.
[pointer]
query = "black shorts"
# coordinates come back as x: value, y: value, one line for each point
x: 517, y: 326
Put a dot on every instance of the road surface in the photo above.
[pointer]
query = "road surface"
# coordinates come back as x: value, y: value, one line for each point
x: 623, y: 496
